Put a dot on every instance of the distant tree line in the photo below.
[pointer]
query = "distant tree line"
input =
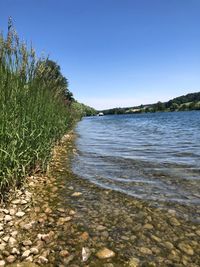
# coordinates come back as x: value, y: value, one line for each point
x: 182, y: 103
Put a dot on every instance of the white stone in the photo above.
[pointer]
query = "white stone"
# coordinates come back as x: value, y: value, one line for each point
x: 105, y: 253
x: 2, y: 263
x: 20, y: 214
x: 16, y: 201
x: 12, y: 212
x: 14, y: 233
x: 12, y: 242
x: 42, y: 259
x: 7, y: 218
x: 26, y: 254
x: 76, y: 194
x: 6, y: 238
x: 2, y: 247
x: 34, y: 251
x: 15, y: 251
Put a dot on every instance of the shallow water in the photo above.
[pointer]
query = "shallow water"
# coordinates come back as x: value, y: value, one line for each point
x: 155, y: 157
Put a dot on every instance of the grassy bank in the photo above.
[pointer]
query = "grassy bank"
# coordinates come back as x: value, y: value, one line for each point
x: 36, y: 109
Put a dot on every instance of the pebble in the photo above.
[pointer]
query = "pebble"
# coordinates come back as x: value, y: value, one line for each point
x: 12, y: 241
x: 28, y: 226
x: 100, y: 228
x: 15, y: 251
x: 134, y: 262
x: 186, y: 248
x: 85, y: 254
x: 14, y: 233
x: 72, y: 212
x: 27, y: 243
x: 10, y: 259
x: 157, y: 239
x: 16, y: 201
x: 20, y: 214
x: 34, y: 251
x: 144, y: 250
x: 2, y: 263
x: 6, y: 238
x: 148, y: 226
x: 84, y: 236
x: 198, y: 232
x: 105, y: 253
x: 64, y: 253
x: 7, y: 218
x: 12, y: 212
x: 174, y: 222
x: 76, y: 194
x: 26, y: 254
x: 168, y: 245
x: 42, y: 260
x: 2, y: 247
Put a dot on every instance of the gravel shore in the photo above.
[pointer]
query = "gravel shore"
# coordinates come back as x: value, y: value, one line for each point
x: 62, y: 220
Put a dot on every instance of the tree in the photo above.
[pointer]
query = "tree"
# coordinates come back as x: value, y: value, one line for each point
x: 174, y: 107
x: 49, y: 72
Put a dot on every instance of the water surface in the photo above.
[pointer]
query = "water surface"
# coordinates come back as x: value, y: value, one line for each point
x: 155, y: 157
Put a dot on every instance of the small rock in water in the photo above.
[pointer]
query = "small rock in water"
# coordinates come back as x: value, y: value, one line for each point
x: 84, y: 236
x: 157, y: 239
x: 105, y: 253
x: 76, y: 194
x: 85, y: 254
x: 174, y: 222
x: 64, y: 253
x: 134, y: 262
x: 72, y: 212
x: 169, y: 245
x: 186, y: 248
x: 70, y: 188
x: 145, y: 250
x: 100, y: 228
x: 148, y: 226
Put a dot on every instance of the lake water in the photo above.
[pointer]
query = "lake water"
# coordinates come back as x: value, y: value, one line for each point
x: 155, y: 157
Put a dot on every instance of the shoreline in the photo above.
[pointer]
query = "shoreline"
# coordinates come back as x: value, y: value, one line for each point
x: 61, y: 220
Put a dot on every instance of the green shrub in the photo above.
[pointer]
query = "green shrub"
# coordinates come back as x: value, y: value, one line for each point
x: 33, y: 112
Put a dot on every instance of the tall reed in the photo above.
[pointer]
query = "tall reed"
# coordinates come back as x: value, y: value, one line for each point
x: 33, y: 113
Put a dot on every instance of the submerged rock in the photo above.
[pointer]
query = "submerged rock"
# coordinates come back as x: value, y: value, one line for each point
x: 76, y: 194
x: 186, y: 248
x: 134, y: 262
x: 85, y: 254
x: 105, y: 253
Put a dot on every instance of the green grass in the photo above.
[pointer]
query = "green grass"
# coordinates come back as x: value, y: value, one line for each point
x: 33, y: 114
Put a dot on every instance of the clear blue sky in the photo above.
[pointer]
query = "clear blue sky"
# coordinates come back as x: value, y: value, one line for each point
x: 115, y: 52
